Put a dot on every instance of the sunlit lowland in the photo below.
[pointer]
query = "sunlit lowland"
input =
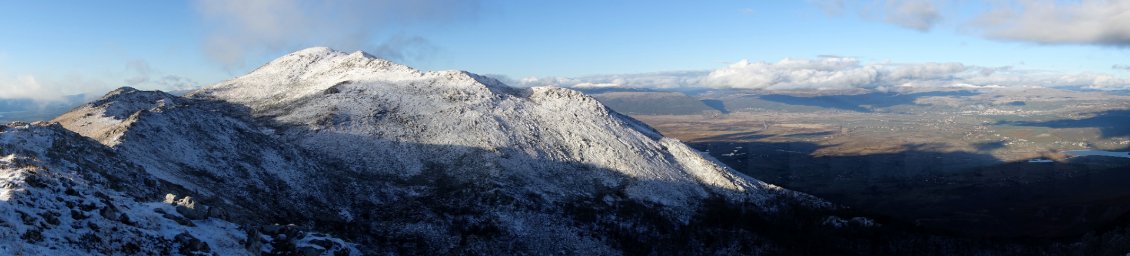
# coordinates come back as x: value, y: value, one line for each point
x: 486, y: 127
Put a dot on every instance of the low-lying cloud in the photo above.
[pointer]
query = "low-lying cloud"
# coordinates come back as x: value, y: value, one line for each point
x: 842, y: 73
x: 672, y: 79
x: 47, y: 90
x: 238, y: 30
x: 57, y: 88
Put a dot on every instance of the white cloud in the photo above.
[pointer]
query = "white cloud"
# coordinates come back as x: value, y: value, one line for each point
x: 847, y: 73
x: 671, y: 79
x: 26, y: 87
x: 32, y: 87
x: 240, y: 29
x: 932, y: 71
x: 823, y: 73
x: 841, y: 73
x: 1099, y: 22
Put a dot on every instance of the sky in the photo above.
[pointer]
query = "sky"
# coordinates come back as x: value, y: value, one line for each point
x: 49, y: 49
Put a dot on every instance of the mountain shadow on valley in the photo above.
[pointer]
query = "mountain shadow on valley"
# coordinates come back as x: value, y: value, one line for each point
x: 1112, y: 123
x: 717, y: 105
x: 973, y: 194
x: 865, y: 103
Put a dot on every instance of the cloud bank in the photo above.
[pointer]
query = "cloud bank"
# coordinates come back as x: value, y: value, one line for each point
x: 673, y: 79
x: 842, y: 73
x: 241, y: 29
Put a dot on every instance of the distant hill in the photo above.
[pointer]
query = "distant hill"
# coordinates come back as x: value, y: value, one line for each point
x: 654, y: 103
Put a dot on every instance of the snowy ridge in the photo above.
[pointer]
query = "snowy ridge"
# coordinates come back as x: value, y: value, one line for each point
x: 199, y: 145
x: 61, y: 194
x: 354, y: 106
x: 395, y: 160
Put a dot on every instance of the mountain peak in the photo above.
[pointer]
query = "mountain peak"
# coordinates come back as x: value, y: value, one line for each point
x: 314, y: 50
x: 125, y: 101
x: 318, y: 70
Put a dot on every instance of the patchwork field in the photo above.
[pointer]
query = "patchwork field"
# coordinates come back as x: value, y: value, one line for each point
x: 973, y: 162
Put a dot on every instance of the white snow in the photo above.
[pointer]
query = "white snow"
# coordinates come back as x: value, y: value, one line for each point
x: 387, y: 117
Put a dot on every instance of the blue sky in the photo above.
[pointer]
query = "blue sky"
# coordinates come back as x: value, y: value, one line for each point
x: 57, y: 47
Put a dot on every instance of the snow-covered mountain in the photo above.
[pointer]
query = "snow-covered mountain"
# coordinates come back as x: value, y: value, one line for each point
x: 524, y: 148
x: 380, y: 117
x: 385, y: 158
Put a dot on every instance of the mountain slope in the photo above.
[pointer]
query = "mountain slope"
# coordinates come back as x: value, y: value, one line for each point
x: 401, y: 161
x: 354, y: 106
x: 62, y: 194
x: 205, y: 147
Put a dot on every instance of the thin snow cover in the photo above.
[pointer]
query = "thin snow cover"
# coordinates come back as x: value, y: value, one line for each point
x: 379, y: 116
x: 50, y: 208
x: 376, y: 151
x: 62, y: 194
x: 205, y: 147
x: 167, y: 134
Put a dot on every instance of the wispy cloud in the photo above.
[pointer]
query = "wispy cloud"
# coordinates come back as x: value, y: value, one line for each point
x: 240, y: 29
x: 919, y: 15
x: 1092, y: 22
x: 144, y: 76
x: 141, y: 71
x: 176, y: 83
x: 841, y: 73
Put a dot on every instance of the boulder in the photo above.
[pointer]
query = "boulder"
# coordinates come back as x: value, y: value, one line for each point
x: 188, y: 207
